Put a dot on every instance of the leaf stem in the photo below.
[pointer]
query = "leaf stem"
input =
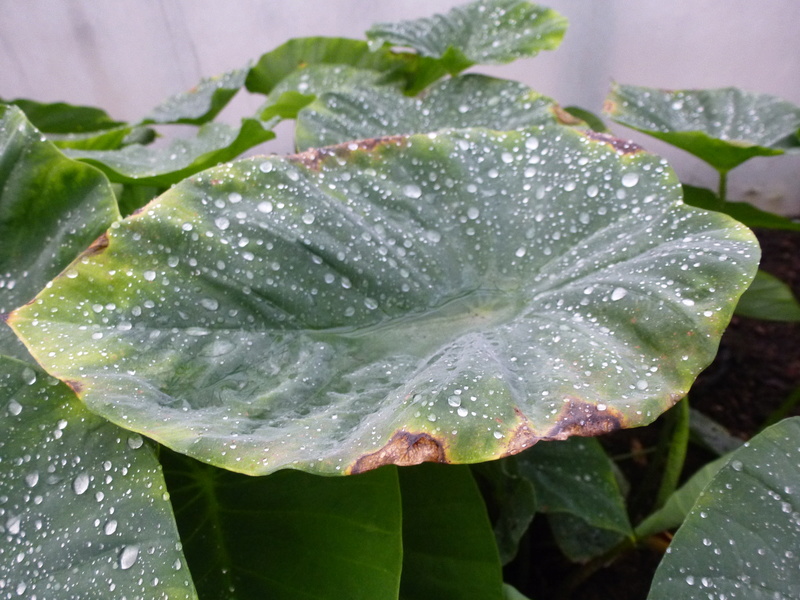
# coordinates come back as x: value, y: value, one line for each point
x: 678, y: 431
x: 722, y: 191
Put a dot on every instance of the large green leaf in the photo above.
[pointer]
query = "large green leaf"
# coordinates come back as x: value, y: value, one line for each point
x: 723, y: 127
x: 301, y: 53
x: 576, y: 485
x: 449, y: 552
x: 482, y: 32
x: 467, y: 101
x: 51, y: 209
x: 215, y: 143
x: 742, y: 537
x: 447, y: 298
x: 202, y: 103
x: 290, y: 535
x: 84, y: 512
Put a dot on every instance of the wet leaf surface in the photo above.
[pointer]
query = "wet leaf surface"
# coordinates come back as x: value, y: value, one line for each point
x: 84, y: 512
x: 51, y: 209
x: 214, y: 143
x: 288, y: 535
x: 483, y: 32
x: 202, y: 103
x: 742, y: 537
x: 427, y: 298
x: 459, y: 102
x: 723, y: 127
x: 63, y: 118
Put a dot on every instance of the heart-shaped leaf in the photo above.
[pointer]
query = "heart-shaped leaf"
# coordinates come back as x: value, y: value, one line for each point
x: 289, y: 535
x: 202, y: 103
x: 84, y: 512
x: 723, y: 127
x: 482, y: 32
x: 467, y: 101
x: 450, y: 297
x: 742, y: 537
x: 51, y: 209
x: 215, y: 143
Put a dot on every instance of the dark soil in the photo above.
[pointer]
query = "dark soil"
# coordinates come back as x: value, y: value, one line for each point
x: 756, y: 370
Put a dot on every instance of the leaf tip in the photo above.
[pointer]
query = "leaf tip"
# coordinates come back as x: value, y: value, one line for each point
x: 404, y: 449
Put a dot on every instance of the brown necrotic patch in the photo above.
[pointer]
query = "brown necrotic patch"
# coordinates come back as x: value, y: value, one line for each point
x: 404, y: 449
x: 74, y: 385
x: 313, y: 159
x: 620, y: 145
x: 97, y: 246
x: 582, y: 418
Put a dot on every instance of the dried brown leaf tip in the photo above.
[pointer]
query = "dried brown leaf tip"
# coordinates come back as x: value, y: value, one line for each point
x: 313, y: 158
x: 404, y: 449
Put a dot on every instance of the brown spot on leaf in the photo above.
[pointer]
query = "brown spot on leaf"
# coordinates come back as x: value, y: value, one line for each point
x: 404, y: 449
x: 75, y: 386
x: 582, y: 418
x: 563, y: 116
x: 621, y: 146
x: 313, y: 158
x: 610, y: 107
x: 97, y: 246
x: 522, y: 437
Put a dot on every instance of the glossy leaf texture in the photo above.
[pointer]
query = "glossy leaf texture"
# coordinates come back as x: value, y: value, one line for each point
x: 214, y: 143
x: 202, y: 103
x: 288, y: 535
x: 51, y: 209
x: 724, y: 127
x: 449, y: 552
x: 452, y: 298
x: 482, y: 32
x: 742, y: 537
x: 576, y: 487
x: 84, y: 512
x: 459, y: 102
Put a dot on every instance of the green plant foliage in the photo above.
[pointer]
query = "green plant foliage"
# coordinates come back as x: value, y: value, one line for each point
x: 459, y: 102
x: 289, y: 535
x: 298, y: 54
x: 62, y: 118
x: 51, y: 208
x: 83, y: 511
x: 743, y: 212
x: 482, y: 32
x: 742, y: 537
x: 770, y: 299
x: 577, y: 487
x: 213, y: 144
x: 202, y: 103
x: 724, y: 127
x: 443, y: 559
x: 390, y: 296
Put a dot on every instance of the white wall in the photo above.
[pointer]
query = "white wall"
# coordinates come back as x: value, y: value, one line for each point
x: 128, y: 55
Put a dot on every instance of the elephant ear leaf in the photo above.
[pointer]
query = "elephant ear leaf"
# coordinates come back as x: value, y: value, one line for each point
x: 483, y: 32
x: 451, y: 297
x: 724, y: 127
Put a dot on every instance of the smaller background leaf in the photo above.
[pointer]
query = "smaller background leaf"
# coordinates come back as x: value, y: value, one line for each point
x: 723, y: 127
x: 770, y: 299
x: 743, y: 212
x: 63, y: 118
